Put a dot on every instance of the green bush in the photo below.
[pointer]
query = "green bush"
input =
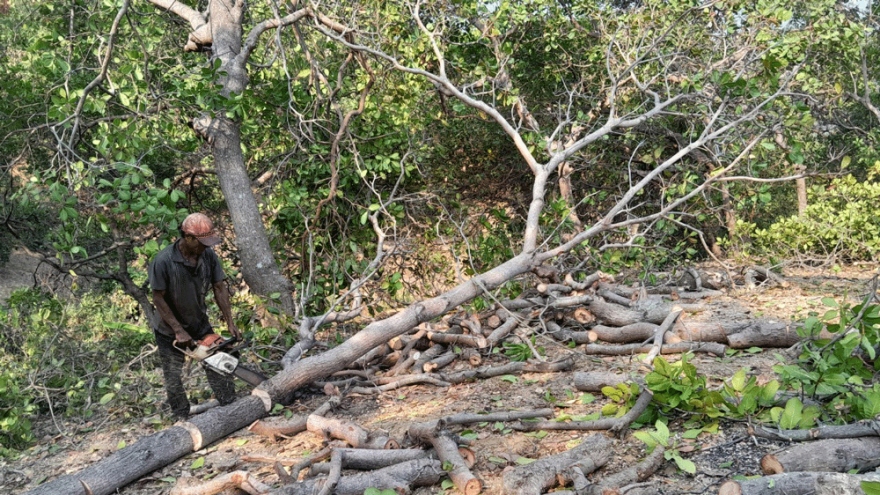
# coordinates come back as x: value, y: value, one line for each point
x: 840, y: 223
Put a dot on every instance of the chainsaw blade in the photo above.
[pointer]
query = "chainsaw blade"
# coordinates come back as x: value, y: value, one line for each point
x: 252, y: 377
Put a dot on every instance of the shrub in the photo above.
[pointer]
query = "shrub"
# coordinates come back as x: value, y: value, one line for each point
x: 839, y: 223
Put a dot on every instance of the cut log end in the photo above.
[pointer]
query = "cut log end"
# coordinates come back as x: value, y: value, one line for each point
x: 771, y: 465
x: 472, y: 487
x: 730, y: 488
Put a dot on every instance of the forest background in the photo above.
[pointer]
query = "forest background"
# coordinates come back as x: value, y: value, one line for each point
x: 362, y: 157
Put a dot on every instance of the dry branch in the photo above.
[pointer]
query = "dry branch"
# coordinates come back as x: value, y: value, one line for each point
x: 395, y: 383
x: 832, y: 455
x: 611, y: 485
x: 660, y: 332
x: 678, y: 348
x: 614, y: 425
x: 477, y: 341
x: 507, y: 369
x: 351, y: 433
x: 543, y: 474
x: 236, y: 479
x: 404, y: 477
x: 593, y: 381
x: 447, y: 451
x: 855, y: 430
x: 369, y: 459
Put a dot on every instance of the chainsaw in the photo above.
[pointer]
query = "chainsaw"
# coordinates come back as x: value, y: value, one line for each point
x: 216, y: 353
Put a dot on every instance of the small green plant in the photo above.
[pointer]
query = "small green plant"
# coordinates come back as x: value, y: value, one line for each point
x: 679, y: 386
x: 520, y: 351
x: 660, y: 437
x: 623, y: 397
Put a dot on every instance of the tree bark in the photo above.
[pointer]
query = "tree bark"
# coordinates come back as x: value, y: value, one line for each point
x: 258, y: 265
x: 156, y: 451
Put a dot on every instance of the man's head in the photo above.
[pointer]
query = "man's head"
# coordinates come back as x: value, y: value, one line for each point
x: 199, y: 227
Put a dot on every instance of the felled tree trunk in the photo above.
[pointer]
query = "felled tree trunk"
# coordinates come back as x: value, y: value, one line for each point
x: 800, y: 483
x: 833, y: 455
x: 543, y: 474
x: 447, y: 451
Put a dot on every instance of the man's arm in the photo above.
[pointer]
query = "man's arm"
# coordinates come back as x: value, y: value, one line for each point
x: 221, y: 295
x: 167, y: 316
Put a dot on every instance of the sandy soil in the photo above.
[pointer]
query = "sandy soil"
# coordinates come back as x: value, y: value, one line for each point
x: 67, y: 447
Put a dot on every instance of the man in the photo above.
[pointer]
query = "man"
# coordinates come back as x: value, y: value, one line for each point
x: 180, y: 276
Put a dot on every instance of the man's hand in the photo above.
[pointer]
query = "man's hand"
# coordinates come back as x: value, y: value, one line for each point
x: 230, y: 325
x: 182, y: 339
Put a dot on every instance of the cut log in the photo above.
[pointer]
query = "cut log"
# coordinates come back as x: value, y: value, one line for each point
x: 447, y: 451
x: 832, y: 455
x: 464, y: 340
x: 583, y: 316
x: 593, y: 381
x: 800, y: 483
x: 539, y: 476
x: 439, y: 362
x: 554, y: 288
x: 351, y: 433
x: 472, y: 356
x: 404, y: 477
x: 769, y: 334
x: 427, y: 355
x: 156, y: 451
x: 278, y: 426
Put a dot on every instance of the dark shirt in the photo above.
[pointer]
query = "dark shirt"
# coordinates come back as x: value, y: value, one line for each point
x: 185, y: 288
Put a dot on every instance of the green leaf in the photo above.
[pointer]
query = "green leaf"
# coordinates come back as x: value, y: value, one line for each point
x: 510, y: 378
x: 169, y: 479
x: 497, y: 460
x: 522, y: 461
x: 647, y: 438
x: 738, y: 380
x: 791, y: 416
x: 198, y: 463
x: 685, y: 465
x: 870, y: 487
x: 107, y: 398
x: 662, y: 432
x: 120, y: 445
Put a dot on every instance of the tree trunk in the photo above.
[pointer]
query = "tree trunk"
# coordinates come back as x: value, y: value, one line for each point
x: 258, y: 264
x: 156, y: 451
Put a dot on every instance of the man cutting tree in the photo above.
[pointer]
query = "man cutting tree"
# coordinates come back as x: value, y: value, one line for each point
x: 180, y: 276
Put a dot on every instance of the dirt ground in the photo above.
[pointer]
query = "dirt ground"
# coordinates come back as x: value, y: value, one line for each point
x: 718, y: 457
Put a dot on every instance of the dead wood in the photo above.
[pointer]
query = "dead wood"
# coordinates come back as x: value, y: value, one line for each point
x: 477, y: 341
x: 660, y: 332
x: 563, y: 334
x: 467, y: 418
x: 448, y: 453
x: 677, y: 348
x: 588, y: 281
x: 800, y: 483
x: 832, y: 455
x: 539, y: 476
x: 507, y: 369
x: 614, y: 425
x: 394, y: 383
x: 593, y: 381
x: 493, y: 321
x: 583, y: 316
x: 351, y: 433
x: 570, y: 301
x: 427, y: 355
x: 611, y: 485
x: 554, y: 289
x: 371, y: 355
x: 769, y: 334
x: 278, y: 426
x: 369, y: 460
x: 511, y: 320
x: 236, y: 479
x: 635, y: 332
x: 404, y: 477
x: 759, y: 275
x: 854, y: 430
x: 439, y: 362
x: 610, y: 296
x: 334, y: 475
x: 472, y: 356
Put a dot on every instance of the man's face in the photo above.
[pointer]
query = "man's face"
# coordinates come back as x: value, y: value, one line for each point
x: 192, y: 244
